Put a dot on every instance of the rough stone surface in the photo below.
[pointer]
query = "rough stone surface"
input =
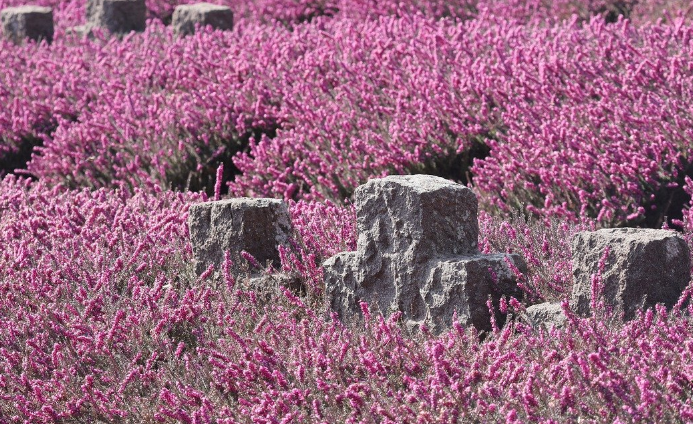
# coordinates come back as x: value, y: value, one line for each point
x: 546, y: 315
x: 117, y: 16
x: 32, y: 22
x: 417, y: 253
x: 644, y: 267
x: 185, y: 17
x: 81, y: 31
x: 257, y: 226
x: 266, y: 284
x: 419, y: 215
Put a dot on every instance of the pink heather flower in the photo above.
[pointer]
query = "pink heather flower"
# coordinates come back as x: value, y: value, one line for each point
x: 365, y: 311
x: 100, y: 308
x: 251, y: 259
x: 219, y: 180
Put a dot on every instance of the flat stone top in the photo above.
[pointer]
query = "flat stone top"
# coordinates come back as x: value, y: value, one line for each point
x: 249, y: 202
x: 202, y: 7
x: 643, y: 234
x: 26, y: 9
x: 418, y: 183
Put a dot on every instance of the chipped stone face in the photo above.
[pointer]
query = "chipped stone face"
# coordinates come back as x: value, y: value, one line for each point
x: 417, y: 253
x: 644, y: 267
x: 422, y: 215
x: 117, y: 16
x: 27, y: 22
x: 340, y: 283
x: 257, y: 226
x: 185, y: 17
x: 547, y: 315
x: 464, y: 285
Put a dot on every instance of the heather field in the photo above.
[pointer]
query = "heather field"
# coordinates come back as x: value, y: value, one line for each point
x: 561, y: 115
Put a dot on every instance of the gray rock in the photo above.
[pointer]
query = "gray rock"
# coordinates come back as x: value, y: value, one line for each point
x: 456, y: 284
x: 32, y: 22
x: 340, y: 284
x: 185, y: 17
x: 464, y: 285
x: 117, y: 16
x: 546, y: 315
x: 265, y: 285
x: 423, y: 215
x: 417, y: 253
x: 644, y: 267
x: 81, y: 31
x: 257, y: 226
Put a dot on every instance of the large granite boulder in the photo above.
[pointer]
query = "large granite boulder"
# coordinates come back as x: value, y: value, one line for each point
x: 417, y: 253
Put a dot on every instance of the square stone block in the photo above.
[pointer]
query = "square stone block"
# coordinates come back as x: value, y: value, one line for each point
x: 644, y: 267
x: 27, y: 22
x: 185, y: 17
x: 417, y: 254
x: 117, y: 16
x: 424, y: 215
x: 257, y: 226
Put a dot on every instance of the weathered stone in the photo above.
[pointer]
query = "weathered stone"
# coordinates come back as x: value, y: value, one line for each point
x: 32, y: 22
x: 257, y: 226
x: 341, y: 287
x: 417, y: 215
x: 185, y: 17
x: 458, y: 284
x: 417, y: 253
x: 547, y: 315
x: 265, y: 285
x: 465, y: 284
x: 81, y: 31
x: 117, y: 16
x: 643, y: 268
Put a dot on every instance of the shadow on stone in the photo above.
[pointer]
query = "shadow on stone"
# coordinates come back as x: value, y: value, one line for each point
x: 27, y: 22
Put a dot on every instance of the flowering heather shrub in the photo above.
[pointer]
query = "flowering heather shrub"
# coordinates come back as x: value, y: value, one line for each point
x: 367, y: 99
x: 544, y: 245
x: 71, y: 268
x: 102, y: 319
x: 153, y: 113
x: 321, y: 231
x: 601, y: 125
x: 291, y: 12
x: 325, y: 228
x: 314, y: 112
x: 540, y: 98
x: 36, y: 91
